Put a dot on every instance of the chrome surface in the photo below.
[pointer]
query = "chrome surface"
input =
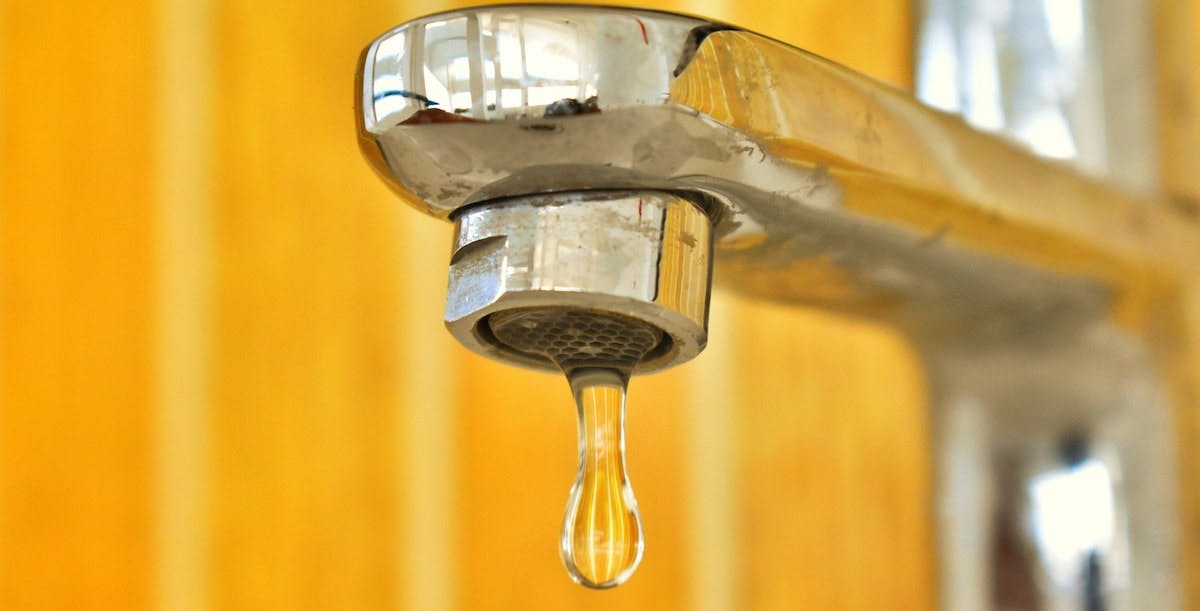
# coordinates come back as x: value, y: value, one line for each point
x: 765, y: 209
x: 556, y: 97
x: 536, y: 128
x: 642, y: 255
x: 522, y: 62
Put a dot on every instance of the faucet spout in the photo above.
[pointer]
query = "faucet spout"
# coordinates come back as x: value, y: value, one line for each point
x: 640, y: 256
x: 611, y: 161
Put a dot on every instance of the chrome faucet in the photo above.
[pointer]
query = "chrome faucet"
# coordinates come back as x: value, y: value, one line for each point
x: 609, y: 160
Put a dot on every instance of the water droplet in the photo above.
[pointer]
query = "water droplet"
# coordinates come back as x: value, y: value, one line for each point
x: 602, y: 534
x: 601, y: 540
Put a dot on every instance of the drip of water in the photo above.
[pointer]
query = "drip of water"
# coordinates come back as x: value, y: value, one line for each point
x: 601, y: 541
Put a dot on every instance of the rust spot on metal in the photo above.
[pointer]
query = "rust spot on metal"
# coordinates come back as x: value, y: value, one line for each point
x: 645, y: 36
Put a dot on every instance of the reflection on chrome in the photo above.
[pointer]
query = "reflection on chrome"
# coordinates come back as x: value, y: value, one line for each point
x: 512, y: 62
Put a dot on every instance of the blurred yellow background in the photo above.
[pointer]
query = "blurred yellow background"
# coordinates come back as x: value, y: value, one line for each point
x: 224, y: 381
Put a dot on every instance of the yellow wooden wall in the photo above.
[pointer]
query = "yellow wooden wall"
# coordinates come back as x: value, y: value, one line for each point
x: 224, y: 382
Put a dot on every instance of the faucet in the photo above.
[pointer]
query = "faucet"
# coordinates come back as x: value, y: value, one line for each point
x: 604, y: 166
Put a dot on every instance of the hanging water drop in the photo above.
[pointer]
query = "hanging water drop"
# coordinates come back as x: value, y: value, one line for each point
x: 601, y: 541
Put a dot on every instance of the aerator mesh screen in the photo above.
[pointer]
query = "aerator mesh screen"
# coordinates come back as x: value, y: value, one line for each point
x: 575, y: 338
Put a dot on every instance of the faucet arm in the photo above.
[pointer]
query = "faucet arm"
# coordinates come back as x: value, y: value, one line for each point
x: 825, y: 186
x: 912, y: 167
x: 601, y: 159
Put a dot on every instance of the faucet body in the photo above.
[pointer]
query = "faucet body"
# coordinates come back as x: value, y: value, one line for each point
x: 1036, y: 297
